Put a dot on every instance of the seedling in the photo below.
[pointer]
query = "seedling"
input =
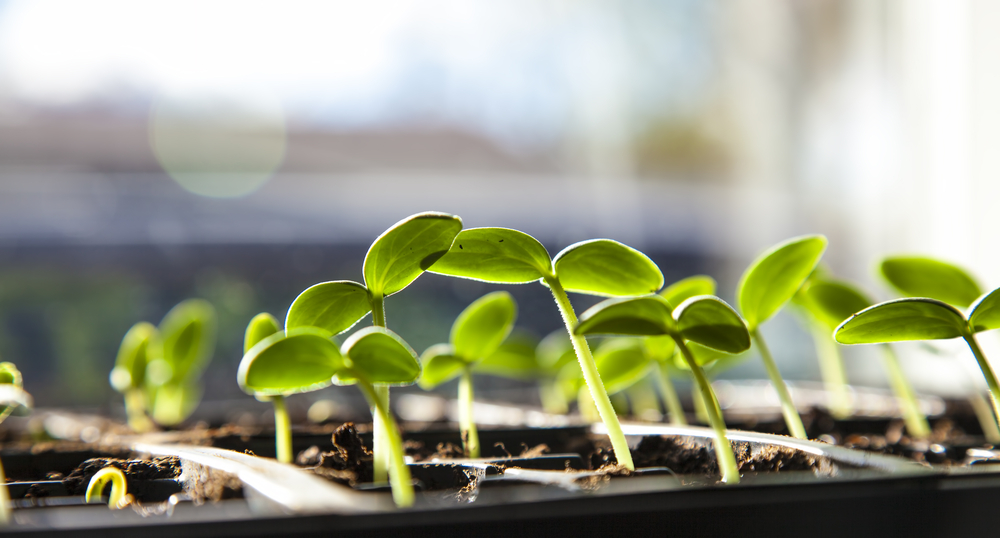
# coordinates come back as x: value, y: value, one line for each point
x: 13, y: 400
x: 770, y: 281
x: 261, y: 326
x: 476, y: 334
x: 120, y: 497
x: 140, y: 345
x: 598, y: 267
x: 706, y: 320
x: 811, y: 301
x: 395, y: 259
x: 306, y: 359
x: 830, y: 302
x: 928, y: 319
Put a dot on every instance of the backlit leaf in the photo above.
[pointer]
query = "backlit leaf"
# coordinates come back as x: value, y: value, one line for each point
x: 140, y: 345
x: 260, y: 327
x: 407, y: 249
x: 483, y: 325
x: 621, y: 362
x: 379, y: 355
x: 711, y: 322
x: 920, y: 276
x: 335, y: 306
x: 13, y: 398
x: 175, y: 401
x: 831, y: 302
x: 684, y: 289
x: 659, y: 348
x: 902, y: 319
x: 440, y: 364
x: 514, y: 359
x: 498, y: 255
x: 985, y: 313
x: 608, y: 268
x: 188, y: 333
x: 774, y: 277
x: 302, y: 360
x: 648, y: 315
x: 555, y: 351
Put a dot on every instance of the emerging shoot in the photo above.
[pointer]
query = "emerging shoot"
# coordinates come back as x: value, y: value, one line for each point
x: 173, y: 373
x: 120, y: 497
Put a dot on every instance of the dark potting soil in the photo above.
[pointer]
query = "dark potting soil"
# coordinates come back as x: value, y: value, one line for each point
x: 350, y: 462
x: 135, y: 471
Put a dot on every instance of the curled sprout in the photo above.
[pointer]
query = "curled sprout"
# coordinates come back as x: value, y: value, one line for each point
x: 120, y: 498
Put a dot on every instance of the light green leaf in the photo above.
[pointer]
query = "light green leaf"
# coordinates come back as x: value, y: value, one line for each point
x: 648, y: 315
x: 13, y: 398
x: 407, y: 249
x: 139, y: 347
x: 711, y: 322
x: 607, y: 268
x: 483, y: 325
x: 498, y: 255
x: 303, y: 360
x: 985, y: 313
x: 440, y: 364
x: 831, y: 302
x: 902, y: 319
x: 774, y: 277
x: 555, y: 351
x: 621, y: 362
x: 335, y: 306
x: 260, y: 327
x: 188, y: 333
x: 514, y: 359
x: 682, y: 290
x: 659, y: 348
x: 920, y: 276
x: 175, y: 401
x: 380, y: 356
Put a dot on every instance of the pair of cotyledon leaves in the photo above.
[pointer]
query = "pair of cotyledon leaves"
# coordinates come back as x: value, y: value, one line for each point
x: 279, y: 362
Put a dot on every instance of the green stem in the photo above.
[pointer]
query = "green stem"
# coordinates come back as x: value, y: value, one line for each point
x: 670, y: 399
x: 700, y: 407
x: 792, y: 418
x: 399, y: 475
x: 282, y: 430
x: 470, y: 436
x: 135, y: 410
x: 831, y: 367
x: 5, y: 515
x: 592, y: 376
x: 991, y: 377
x: 723, y: 450
x: 378, y: 310
x: 984, y: 415
x: 380, y: 455
x: 916, y: 422
x: 552, y: 397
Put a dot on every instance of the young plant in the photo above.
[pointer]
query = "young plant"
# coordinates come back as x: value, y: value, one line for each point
x: 830, y: 302
x: 139, y: 347
x: 476, y: 334
x: 811, y: 301
x: 598, y: 267
x: 260, y: 327
x: 306, y: 359
x: 928, y: 319
x: 395, y: 259
x: 770, y: 282
x: 13, y: 400
x: 119, y: 498
x: 706, y: 320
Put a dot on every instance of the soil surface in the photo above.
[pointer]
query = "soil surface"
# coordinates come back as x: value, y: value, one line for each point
x: 350, y: 462
x: 135, y: 471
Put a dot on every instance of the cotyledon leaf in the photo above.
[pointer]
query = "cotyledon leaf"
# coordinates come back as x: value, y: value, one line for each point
x: 985, y: 313
x: 188, y: 333
x: 830, y: 302
x: 902, y: 319
x: 379, y: 355
x: 621, y: 362
x: 711, y: 322
x: 515, y: 358
x: 301, y: 360
x: 498, y: 255
x: 335, y: 306
x: 649, y: 315
x: 774, y: 277
x: 140, y: 345
x: 483, y: 325
x: 607, y: 268
x: 439, y: 364
x: 407, y: 249
x: 683, y: 289
x: 921, y: 276
x: 260, y: 327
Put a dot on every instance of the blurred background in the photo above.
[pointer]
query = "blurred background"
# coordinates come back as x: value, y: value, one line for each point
x: 241, y: 151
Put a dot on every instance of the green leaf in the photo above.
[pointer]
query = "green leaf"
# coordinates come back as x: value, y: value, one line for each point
x: 711, y: 360
x: 13, y: 398
x: 334, y: 306
x: 260, y: 327
x: 648, y: 315
x: 919, y: 276
x: 483, y: 325
x: 682, y: 290
x: 440, y: 364
x: 302, y: 360
x: 711, y: 322
x: 514, y: 359
x: 407, y: 249
x: 379, y: 355
x: 175, y: 401
x: 774, y: 277
x: 188, y: 333
x: 831, y: 302
x: 900, y: 320
x: 985, y: 313
x: 607, y: 268
x: 498, y: 255
x: 659, y: 348
x: 555, y: 351
x: 621, y: 362
x: 139, y: 347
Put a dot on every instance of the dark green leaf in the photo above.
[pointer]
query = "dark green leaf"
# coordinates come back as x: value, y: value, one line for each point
x: 483, y: 325
x: 659, y: 348
x: 985, y: 313
x: 304, y: 360
x: 188, y: 333
x: 407, y: 249
x: 648, y: 315
x: 515, y: 359
x: 499, y: 255
x: 334, y: 306
x: 774, y: 277
x: 440, y: 364
x: 608, y: 268
x: 920, y: 276
x: 555, y: 351
x: 831, y: 302
x: 711, y: 322
x: 140, y: 345
x: 379, y: 355
x: 902, y: 319
x: 621, y: 362
x: 260, y: 327
x: 682, y: 290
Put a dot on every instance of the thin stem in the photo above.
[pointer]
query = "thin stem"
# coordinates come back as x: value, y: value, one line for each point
x: 378, y: 310
x: 380, y: 455
x: 831, y: 367
x: 399, y: 476
x: 723, y: 450
x: 700, y: 407
x: 792, y: 418
x: 991, y: 377
x: 552, y: 397
x: 669, y: 395
x: 984, y: 415
x: 135, y: 410
x: 470, y: 436
x: 916, y: 422
x: 282, y: 430
x: 592, y: 376
x: 5, y: 515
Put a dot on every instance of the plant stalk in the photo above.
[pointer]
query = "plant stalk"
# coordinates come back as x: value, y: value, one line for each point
x: 916, y: 422
x: 669, y: 395
x: 700, y: 407
x: 792, y: 419
x: 5, y: 512
x: 988, y: 373
x: 592, y: 376
x: 380, y: 455
x: 378, y: 310
x: 135, y: 410
x: 282, y: 430
x: 467, y: 425
x: 399, y: 475
x: 723, y: 449
x: 831, y: 367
